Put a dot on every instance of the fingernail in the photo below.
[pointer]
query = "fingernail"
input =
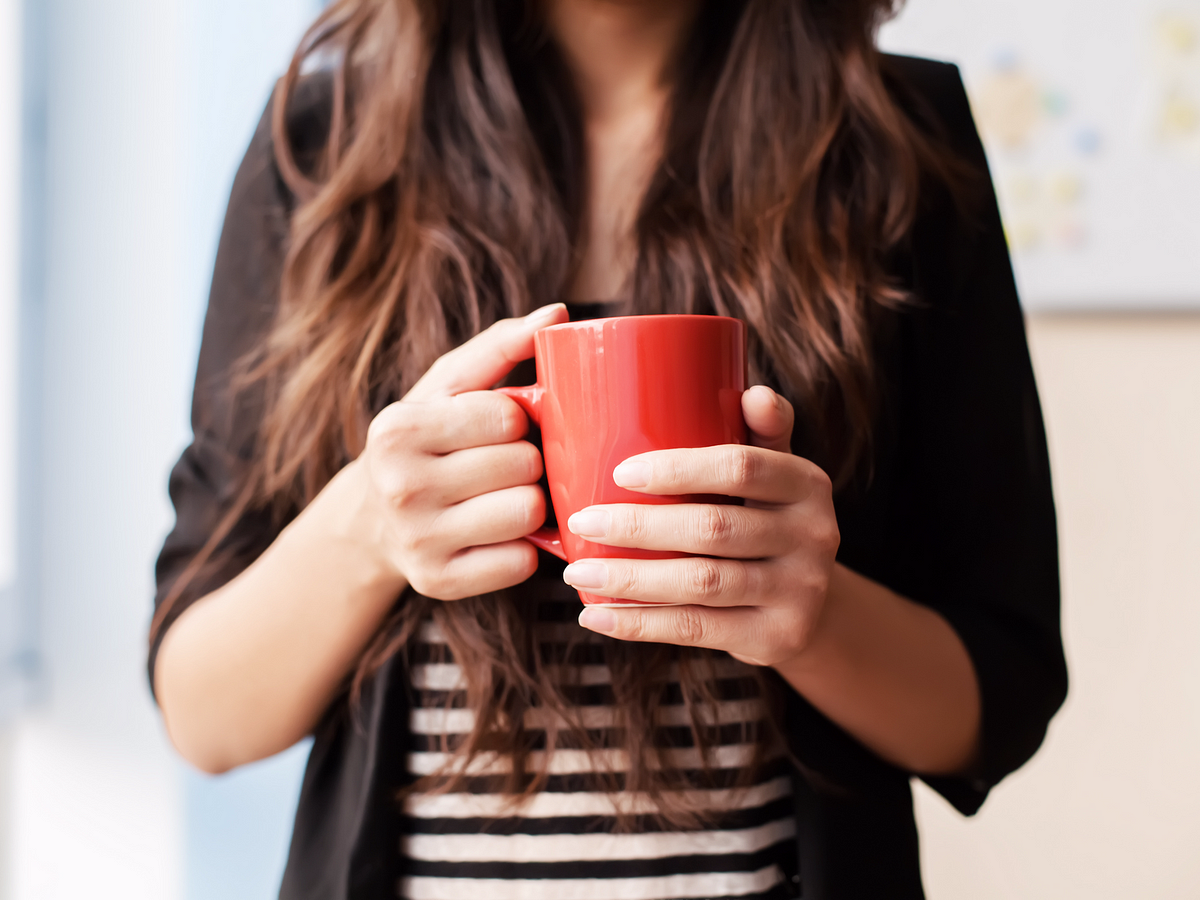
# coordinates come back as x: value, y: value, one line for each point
x: 546, y: 312
x: 776, y: 400
x: 590, y: 523
x: 589, y: 576
x: 632, y: 473
x: 598, y: 619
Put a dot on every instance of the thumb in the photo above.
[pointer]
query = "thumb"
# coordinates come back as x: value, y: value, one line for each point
x: 769, y: 417
x: 486, y: 358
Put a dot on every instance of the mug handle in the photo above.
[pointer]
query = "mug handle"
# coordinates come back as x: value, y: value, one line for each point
x: 529, y: 398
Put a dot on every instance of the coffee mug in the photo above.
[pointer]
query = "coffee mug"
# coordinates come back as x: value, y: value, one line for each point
x: 609, y: 389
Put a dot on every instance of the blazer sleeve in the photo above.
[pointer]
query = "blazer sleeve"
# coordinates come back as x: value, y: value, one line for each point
x: 975, y: 513
x: 211, y: 472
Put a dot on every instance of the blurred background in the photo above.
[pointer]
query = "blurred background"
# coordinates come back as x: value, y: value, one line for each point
x: 121, y: 125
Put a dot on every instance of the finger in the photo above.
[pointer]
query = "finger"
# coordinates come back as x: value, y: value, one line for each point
x: 493, y: 518
x: 446, y: 424
x: 481, y: 570
x: 769, y: 417
x: 687, y: 626
x: 485, y: 359
x: 709, y: 529
x: 695, y: 580
x: 730, y: 469
x: 481, y: 470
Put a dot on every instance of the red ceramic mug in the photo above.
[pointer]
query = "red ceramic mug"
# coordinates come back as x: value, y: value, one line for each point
x: 609, y: 389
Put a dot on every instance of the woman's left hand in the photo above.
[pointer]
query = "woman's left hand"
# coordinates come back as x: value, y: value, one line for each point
x: 758, y: 586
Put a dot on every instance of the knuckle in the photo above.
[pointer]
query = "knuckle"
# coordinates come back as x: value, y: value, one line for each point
x: 495, y: 336
x: 633, y: 626
x: 814, y: 478
x: 429, y: 581
x: 670, y: 469
x: 822, y: 484
x: 775, y: 639
x: 830, y: 537
x: 822, y: 533
x: 716, y: 526
x: 807, y: 578
x: 500, y: 328
x: 814, y: 582
x: 530, y: 507
x: 419, y: 544
x: 383, y: 420
x: 705, y: 579
x: 691, y: 626
x: 623, y: 582
x: 632, y: 524
x: 528, y: 461
x: 755, y: 580
x: 741, y: 467
x: 441, y: 378
x: 393, y: 428
x: 524, y: 561
x: 398, y: 486
x: 506, y: 420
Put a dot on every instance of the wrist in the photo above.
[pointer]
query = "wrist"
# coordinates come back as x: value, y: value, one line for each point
x: 820, y: 646
x: 345, y: 516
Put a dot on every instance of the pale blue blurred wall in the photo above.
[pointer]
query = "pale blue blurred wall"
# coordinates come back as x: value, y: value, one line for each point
x: 238, y: 826
x: 137, y: 112
x: 11, y: 637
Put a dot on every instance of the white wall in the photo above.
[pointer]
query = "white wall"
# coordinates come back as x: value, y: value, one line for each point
x: 91, y: 772
x: 1090, y: 110
x: 1110, y: 807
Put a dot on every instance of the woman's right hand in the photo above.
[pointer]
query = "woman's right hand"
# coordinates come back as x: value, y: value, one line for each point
x: 439, y: 499
x: 452, y: 487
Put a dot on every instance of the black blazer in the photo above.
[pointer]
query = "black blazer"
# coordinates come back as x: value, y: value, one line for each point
x: 957, y: 514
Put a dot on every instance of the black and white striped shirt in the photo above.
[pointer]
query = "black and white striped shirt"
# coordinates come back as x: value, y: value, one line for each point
x: 563, y: 844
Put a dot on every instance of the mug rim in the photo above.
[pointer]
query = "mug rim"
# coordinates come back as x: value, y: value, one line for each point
x: 597, y: 323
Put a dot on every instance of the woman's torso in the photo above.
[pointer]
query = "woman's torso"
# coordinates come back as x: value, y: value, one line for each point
x: 566, y: 840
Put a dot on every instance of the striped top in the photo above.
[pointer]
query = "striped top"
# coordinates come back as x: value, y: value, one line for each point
x: 564, y: 844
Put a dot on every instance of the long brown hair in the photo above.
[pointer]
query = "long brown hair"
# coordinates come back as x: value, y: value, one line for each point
x: 448, y: 195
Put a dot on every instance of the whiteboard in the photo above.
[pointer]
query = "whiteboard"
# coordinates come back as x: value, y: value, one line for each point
x: 10, y: 118
x: 1090, y: 113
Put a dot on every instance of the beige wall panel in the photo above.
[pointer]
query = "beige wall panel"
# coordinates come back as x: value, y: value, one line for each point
x: 1110, y: 808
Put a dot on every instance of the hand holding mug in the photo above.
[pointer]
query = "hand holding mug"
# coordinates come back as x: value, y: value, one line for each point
x: 609, y: 389
x: 451, y: 486
x: 756, y: 587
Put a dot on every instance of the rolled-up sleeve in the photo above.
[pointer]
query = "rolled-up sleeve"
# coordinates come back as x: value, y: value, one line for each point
x: 988, y: 519
x: 206, y: 481
x: 971, y: 519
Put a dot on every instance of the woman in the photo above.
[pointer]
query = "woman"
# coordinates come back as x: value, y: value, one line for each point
x: 348, y: 559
